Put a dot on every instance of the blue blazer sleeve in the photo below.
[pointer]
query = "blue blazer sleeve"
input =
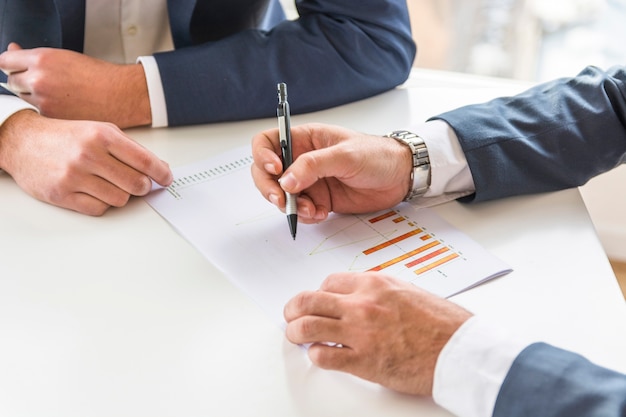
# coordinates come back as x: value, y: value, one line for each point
x: 336, y: 52
x: 230, y: 54
x: 554, y: 136
x: 549, y: 382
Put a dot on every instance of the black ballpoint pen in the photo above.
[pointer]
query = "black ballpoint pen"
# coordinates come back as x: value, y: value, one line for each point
x: 284, y: 132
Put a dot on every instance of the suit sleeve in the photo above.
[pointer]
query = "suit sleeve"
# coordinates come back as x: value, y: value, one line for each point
x: 550, y: 382
x: 554, y: 136
x: 336, y: 52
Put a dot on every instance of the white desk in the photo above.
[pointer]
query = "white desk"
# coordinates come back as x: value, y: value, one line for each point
x: 120, y: 316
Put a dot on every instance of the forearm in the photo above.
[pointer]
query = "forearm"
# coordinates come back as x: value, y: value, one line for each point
x: 11, y: 134
x: 129, y: 97
x: 9, y: 106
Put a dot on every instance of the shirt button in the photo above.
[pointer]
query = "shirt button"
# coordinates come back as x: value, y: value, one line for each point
x: 132, y: 30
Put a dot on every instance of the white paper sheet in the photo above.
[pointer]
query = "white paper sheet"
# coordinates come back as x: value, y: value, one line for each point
x: 215, y: 206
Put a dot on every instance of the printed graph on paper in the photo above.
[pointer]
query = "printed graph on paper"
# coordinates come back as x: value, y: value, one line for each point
x: 216, y: 207
x: 392, y: 242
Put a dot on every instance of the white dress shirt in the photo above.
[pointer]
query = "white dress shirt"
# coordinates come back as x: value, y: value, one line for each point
x: 123, y: 32
x: 475, y: 361
x: 473, y: 364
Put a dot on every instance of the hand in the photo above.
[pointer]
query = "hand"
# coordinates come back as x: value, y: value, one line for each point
x: 390, y: 332
x: 80, y: 165
x: 64, y: 84
x: 334, y: 169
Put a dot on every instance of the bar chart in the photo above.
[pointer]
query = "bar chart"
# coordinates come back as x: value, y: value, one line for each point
x: 248, y: 238
x: 393, y: 241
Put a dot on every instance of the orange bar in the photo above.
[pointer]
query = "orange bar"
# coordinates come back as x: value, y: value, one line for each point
x: 426, y: 257
x: 399, y: 219
x: 436, y: 264
x: 392, y: 241
x: 403, y: 257
x: 382, y: 216
x: 425, y: 237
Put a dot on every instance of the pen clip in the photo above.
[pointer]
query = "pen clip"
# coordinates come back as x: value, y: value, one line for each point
x: 284, y: 128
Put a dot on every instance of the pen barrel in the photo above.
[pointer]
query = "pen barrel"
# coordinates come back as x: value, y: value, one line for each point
x: 290, y: 204
x: 284, y: 133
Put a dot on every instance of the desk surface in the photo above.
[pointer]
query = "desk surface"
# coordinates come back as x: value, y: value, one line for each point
x: 120, y: 316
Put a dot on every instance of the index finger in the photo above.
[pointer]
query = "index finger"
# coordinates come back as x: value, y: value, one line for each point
x: 141, y: 159
x: 313, y: 303
x: 266, y: 151
x: 267, y: 166
x: 325, y: 302
x: 12, y: 61
x: 340, y: 283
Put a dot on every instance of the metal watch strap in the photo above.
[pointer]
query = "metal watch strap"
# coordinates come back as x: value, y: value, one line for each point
x: 420, y: 175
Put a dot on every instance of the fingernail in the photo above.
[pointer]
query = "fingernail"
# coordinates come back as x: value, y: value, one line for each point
x: 273, y: 199
x: 288, y: 182
x: 270, y: 168
x: 304, y: 212
x: 320, y: 214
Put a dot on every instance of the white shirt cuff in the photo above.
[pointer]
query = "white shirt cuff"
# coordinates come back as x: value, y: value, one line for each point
x: 450, y: 174
x: 155, y: 91
x: 472, y: 366
x: 9, y: 105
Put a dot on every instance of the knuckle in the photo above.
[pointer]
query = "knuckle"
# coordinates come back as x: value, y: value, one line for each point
x: 301, y: 302
x: 366, y: 310
x: 328, y: 357
x: 120, y: 199
x: 309, y: 327
x: 141, y: 185
x: 309, y: 160
x: 55, y: 195
x: 96, y: 210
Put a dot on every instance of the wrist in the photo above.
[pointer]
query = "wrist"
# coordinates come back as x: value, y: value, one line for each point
x: 13, y: 131
x: 419, y: 175
x: 133, y: 101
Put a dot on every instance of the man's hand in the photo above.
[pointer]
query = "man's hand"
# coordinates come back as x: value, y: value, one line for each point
x: 64, y: 84
x: 334, y: 169
x: 80, y: 165
x: 389, y: 331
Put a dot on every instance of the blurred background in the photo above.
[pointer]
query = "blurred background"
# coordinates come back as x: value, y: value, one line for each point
x: 532, y: 40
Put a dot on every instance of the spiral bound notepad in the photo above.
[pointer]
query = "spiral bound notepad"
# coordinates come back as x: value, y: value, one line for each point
x: 216, y: 207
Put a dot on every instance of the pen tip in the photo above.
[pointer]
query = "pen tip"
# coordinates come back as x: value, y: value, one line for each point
x: 293, y: 224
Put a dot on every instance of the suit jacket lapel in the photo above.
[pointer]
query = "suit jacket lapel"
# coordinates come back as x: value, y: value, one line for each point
x: 72, y: 17
x: 30, y: 24
x: 180, y: 12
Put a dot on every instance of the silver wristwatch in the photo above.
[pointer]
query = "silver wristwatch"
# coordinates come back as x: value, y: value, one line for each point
x: 420, y: 175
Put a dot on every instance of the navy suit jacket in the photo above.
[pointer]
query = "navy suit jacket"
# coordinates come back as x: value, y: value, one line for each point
x: 230, y: 54
x: 549, y: 382
x: 554, y: 136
